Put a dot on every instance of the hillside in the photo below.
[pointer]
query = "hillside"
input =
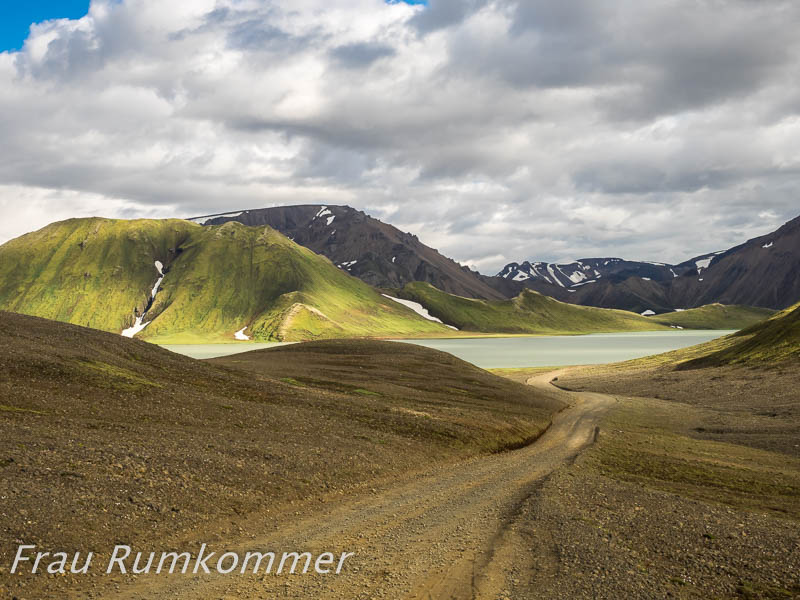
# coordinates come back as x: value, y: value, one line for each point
x: 530, y: 312
x: 104, y: 438
x: 375, y: 252
x: 762, y: 272
x: 770, y: 342
x: 172, y: 280
x: 714, y: 316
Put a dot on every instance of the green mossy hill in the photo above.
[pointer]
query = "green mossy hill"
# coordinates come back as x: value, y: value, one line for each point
x: 715, y: 316
x: 100, y: 273
x: 530, y: 312
x: 773, y: 341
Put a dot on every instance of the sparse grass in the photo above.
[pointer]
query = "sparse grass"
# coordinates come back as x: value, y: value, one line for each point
x: 644, y: 441
x: 17, y: 409
x: 173, y: 444
x: 112, y: 376
x: 521, y: 375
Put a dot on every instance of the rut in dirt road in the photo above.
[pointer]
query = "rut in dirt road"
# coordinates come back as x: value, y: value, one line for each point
x: 447, y: 534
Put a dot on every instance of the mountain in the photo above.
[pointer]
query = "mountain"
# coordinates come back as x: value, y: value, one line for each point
x: 375, y: 252
x: 762, y: 272
x: 172, y: 280
x: 589, y: 270
x: 530, y: 312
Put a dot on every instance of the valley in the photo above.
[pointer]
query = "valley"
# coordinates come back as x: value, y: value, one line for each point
x: 309, y: 427
x: 442, y: 479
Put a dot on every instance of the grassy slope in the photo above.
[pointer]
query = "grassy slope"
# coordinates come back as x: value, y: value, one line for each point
x: 90, y: 272
x: 530, y: 312
x: 715, y: 316
x: 98, y: 272
x: 775, y: 340
x: 104, y: 438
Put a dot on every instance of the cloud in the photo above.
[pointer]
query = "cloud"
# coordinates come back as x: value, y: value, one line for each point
x: 495, y: 130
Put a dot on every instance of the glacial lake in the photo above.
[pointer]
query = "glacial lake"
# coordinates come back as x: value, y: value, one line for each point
x: 538, y: 351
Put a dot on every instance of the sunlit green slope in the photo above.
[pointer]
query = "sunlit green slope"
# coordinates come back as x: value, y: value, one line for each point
x: 530, y: 312
x: 217, y: 280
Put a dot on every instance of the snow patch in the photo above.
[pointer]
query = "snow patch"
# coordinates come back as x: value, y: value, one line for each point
x: 322, y: 212
x: 553, y: 275
x: 137, y: 327
x: 674, y: 274
x: 767, y: 245
x: 331, y: 218
x: 417, y: 308
x: 240, y: 335
x: 394, y: 258
x: 646, y: 278
x: 703, y: 264
x: 521, y: 276
x: 156, y: 286
x: 577, y: 276
x: 648, y: 313
x: 139, y: 324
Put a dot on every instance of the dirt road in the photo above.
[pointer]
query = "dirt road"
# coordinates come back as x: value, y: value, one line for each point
x: 451, y: 533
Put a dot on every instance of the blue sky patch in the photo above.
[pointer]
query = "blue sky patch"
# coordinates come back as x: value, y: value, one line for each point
x: 16, y: 17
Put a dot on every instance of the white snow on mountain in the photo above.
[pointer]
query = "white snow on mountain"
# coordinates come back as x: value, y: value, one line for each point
x: 419, y: 309
x: 553, y: 275
x: 241, y: 335
x: 136, y: 328
x: 703, y: 263
x: 767, y: 245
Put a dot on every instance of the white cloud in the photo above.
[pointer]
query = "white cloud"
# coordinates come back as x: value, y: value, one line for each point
x: 496, y: 131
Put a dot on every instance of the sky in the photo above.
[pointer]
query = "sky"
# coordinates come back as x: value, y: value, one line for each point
x: 496, y: 131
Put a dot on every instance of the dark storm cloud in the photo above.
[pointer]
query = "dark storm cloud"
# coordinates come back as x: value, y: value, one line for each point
x: 496, y: 130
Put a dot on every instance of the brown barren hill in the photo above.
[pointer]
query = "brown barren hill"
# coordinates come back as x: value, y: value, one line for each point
x: 107, y: 440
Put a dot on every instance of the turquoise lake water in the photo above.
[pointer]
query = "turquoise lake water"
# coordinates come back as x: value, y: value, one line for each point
x: 541, y: 351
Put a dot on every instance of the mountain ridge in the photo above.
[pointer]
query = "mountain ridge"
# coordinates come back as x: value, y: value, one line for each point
x: 376, y: 252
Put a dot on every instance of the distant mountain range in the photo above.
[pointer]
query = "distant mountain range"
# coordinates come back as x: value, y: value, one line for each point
x: 763, y: 272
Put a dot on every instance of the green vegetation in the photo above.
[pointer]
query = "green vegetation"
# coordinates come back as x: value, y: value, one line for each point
x: 715, y: 316
x: 772, y: 341
x: 100, y: 272
x: 650, y: 447
x: 530, y: 312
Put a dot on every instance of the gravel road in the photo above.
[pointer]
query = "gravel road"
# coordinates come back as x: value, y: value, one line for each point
x: 449, y: 533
